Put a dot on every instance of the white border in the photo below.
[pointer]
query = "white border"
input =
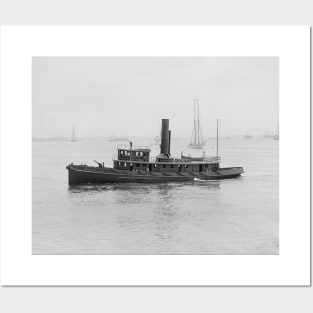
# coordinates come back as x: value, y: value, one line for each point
x: 290, y: 43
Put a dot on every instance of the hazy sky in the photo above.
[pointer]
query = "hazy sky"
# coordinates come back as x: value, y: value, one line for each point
x: 129, y: 95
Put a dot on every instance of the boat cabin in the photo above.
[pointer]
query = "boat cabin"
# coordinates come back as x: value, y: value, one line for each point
x: 138, y: 160
x: 132, y: 158
x: 129, y: 158
x: 139, y: 154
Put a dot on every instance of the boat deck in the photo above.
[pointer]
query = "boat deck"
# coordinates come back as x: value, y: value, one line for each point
x: 90, y: 174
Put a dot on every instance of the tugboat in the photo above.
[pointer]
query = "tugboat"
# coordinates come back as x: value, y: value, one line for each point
x: 134, y: 165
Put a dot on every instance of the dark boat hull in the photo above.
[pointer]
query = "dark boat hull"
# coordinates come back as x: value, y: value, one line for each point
x: 82, y: 174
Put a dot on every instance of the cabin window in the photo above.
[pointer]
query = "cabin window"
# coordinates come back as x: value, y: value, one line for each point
x: 137, y: 164
x: 119, y: 163
x: 155, y: 165
x: 186, y: 165
x: 124, y: 164
x: 206, y: 165
x: 164, y: 165
x: 172, y: 165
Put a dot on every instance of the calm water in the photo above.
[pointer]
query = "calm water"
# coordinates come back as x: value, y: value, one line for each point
x: 236, y: 216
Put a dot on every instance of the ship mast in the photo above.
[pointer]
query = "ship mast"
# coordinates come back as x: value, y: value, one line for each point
x: 217, y: 138
x: 194, y: 133
x: 198, y: 124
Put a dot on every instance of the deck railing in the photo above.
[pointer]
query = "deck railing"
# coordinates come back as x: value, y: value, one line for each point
x: 130, y: 158
x: 153, y: 159
x: 127, y: 147
x: 204, y: 160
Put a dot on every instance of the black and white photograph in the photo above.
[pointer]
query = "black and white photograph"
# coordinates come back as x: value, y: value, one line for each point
x: 155, y: 155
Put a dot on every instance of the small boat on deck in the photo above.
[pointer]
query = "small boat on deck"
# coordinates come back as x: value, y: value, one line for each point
x: 134, y: 165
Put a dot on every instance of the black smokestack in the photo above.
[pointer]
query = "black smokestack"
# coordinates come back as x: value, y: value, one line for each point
x: 165, y: 140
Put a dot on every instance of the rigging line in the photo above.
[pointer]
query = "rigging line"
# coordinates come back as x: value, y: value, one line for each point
x: 198, y: 123
x: 193, y: 129
x: 193, y: 135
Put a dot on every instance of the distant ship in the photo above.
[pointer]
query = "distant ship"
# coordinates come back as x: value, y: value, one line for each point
x: 118, y: 138
x: 248, y: 136
x: 196, y: 139
x: 268, y: 135
x: 276, y: 136
x: 157, y: 140
x: 55, y: 138
x: 134, y: 165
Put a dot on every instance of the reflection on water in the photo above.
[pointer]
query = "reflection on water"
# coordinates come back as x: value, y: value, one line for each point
x: 146, y: 187
x: 194, y: 217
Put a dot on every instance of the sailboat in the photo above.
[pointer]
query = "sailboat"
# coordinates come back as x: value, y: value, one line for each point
x: 118, y: 138
x: 196, y: 140
x: 73, y: 138
x: 157, y: 139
